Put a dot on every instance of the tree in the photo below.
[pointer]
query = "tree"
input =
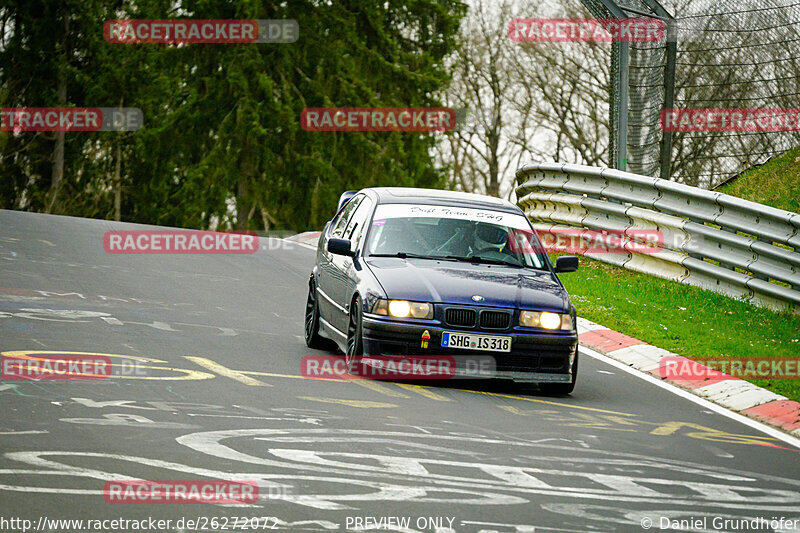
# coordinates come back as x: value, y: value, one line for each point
x: 222, y: 144
x: 527, y: 101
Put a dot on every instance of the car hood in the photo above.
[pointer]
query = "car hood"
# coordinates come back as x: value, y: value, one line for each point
x: 456, y: 283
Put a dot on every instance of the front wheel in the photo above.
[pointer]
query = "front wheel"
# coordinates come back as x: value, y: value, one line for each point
x: 355, y: 340
x: 313, y: 338
x: 562, y: 388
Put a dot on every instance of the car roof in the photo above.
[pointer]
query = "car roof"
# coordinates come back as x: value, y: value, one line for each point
x: 410, y: 195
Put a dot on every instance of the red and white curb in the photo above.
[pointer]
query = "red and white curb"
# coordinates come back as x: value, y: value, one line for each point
x: 308, y: 238
x: 732, y: 393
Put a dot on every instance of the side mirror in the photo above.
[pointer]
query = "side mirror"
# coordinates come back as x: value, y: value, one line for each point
x: 340, y: 247
x: 566, y: 263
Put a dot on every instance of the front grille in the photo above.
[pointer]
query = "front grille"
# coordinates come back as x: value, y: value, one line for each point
x: 495, y: 319
x: 454, y: 316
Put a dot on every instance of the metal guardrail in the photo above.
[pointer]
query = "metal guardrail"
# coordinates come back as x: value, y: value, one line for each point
x: 711, y: 240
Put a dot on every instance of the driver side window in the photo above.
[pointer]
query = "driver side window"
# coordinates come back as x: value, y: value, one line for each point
x: 357, y: 226
x: 341, y: 221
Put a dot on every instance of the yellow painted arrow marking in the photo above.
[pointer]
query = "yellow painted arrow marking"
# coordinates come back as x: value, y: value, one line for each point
x: 226, y: 372
x: 424, y: 391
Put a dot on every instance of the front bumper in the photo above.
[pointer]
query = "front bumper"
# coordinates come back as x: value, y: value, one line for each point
x: 535, y: 357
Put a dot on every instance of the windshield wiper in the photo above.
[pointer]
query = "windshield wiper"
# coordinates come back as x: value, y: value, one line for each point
x: 406, y: 255
x: 485, y: 260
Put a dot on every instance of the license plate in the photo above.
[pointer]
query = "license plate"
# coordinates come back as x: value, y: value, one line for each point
x: 467, y: 341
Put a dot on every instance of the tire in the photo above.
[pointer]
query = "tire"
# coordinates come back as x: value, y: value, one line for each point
x: 355, y: 340
x: 313, y: 338
x: 562, y: 389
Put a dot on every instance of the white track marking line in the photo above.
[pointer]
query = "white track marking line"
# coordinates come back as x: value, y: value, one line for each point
x: 301, y: 244
x: 772, y: 432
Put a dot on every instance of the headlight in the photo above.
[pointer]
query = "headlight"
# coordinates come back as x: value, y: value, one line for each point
x: 399, y: 308
x: 403, y: 309
x: 550, y: 320
x: 546, y: 320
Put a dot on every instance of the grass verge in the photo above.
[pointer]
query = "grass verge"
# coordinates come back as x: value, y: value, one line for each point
x: 775, y: 183
x: 688, y: 321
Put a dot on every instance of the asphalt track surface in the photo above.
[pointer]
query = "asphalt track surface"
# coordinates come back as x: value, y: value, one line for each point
x: 222, y: 398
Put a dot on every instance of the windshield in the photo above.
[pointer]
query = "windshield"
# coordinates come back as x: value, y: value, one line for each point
x: 468, y: 234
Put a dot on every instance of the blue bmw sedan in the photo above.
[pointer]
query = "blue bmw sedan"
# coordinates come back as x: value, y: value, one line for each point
x: 406, y: 272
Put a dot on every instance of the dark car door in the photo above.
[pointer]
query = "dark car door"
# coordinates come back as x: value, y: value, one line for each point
x: 346, y: 276
x: 329, y: 309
